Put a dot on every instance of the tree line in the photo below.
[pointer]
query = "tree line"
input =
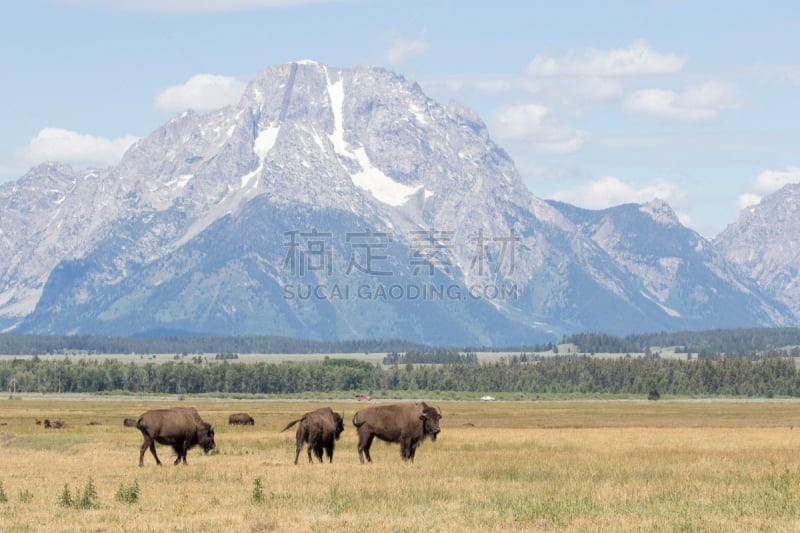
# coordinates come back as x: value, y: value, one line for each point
x: 429, y: 357
x: 743, y: 342
x: 24, y: 344
x: 748, y: 343
x: 573, y: 375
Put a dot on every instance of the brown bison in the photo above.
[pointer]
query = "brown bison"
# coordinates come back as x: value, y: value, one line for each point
x: 241, y: 419
x: 180, y: 427
x: 320, y: 429
x: 405, y: 423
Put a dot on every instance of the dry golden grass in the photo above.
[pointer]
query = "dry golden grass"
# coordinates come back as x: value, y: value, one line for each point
x: 516, y: 466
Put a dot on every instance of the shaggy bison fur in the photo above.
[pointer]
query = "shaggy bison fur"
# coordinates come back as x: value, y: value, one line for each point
x: 320, y: 429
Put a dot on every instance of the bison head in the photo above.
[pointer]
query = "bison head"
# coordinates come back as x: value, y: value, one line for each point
x: 205, y: 437
x: 430, y: 422
x: 338, y: 420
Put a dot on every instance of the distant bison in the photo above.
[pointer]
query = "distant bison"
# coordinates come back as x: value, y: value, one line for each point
x: 241, y: 419
x: 320, y: 429
x: 180, y: 427
x: 407, y: 424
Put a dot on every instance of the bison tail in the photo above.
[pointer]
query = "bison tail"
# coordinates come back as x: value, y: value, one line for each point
x: 129, y: 423
x: 290, y: 424
x: 356, y: 423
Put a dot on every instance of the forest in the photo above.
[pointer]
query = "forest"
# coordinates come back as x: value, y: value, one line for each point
x: 631, y: 376
x: 750, y: 343
x: 757, y: 362
x: 21, y: 344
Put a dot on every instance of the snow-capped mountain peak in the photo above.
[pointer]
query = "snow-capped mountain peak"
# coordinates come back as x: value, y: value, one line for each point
x: 343, y: 203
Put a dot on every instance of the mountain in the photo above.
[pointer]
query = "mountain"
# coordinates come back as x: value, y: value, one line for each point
x: 674, y: 267
x: 764, y: 244
x: 342, y: 204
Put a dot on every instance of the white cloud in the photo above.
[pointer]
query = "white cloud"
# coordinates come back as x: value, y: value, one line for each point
x: 491, y: 84
x: 533, y: 125
x: 401, y: 50
x: 78, y: 149
x: 638, y: 59
x: 702, y: 103
x: 202, y: 92
x: 189, y: 6
x: 747, y: 199
x: 610, y: 191
x: 570, y: 92
x: 768, y: 182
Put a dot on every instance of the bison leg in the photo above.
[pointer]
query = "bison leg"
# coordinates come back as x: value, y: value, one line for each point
x: 148, y: 443
x: 297, y: 455
x: 405, y: 449
x: 316, y: 445
x: 184, y: 451
x: 300, y: 440
x: 413, y: 450
x: 364, y: 444
x: 329, y: 451
x: 180, y: 451
x: 408, y: 448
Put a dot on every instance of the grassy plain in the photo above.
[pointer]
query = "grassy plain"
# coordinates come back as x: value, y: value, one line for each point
x: 497, y: 466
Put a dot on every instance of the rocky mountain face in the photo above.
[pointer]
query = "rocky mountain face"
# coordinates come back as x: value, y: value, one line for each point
x: 764, y: 244
x: 343, y: 203
x: 675, y: 268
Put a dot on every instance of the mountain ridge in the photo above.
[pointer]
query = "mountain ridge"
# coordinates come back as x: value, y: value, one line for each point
x: 764, y: 245
x: 330, y: 180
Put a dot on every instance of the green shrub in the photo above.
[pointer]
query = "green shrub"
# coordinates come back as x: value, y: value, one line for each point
x: 258, y: 491
x: 65, y: 500
x: 128, y: 494
x: 85, y: 500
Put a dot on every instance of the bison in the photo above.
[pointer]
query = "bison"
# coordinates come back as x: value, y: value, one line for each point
x: 180, y: 427
x: 241, y: 419
x: 320, y: 429
x: 406, y: 423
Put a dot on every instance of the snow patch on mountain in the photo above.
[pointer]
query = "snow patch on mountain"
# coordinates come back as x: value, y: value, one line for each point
x: 248, y: 189
x: 336, y: 97
x: 261, y: 146
x: 265, y: 141
x: 370, y: 178
x: 381, y: 186
x: 667, y: 310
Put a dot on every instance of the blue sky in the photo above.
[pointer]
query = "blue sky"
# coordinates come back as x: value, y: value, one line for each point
x: 598, y: 103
